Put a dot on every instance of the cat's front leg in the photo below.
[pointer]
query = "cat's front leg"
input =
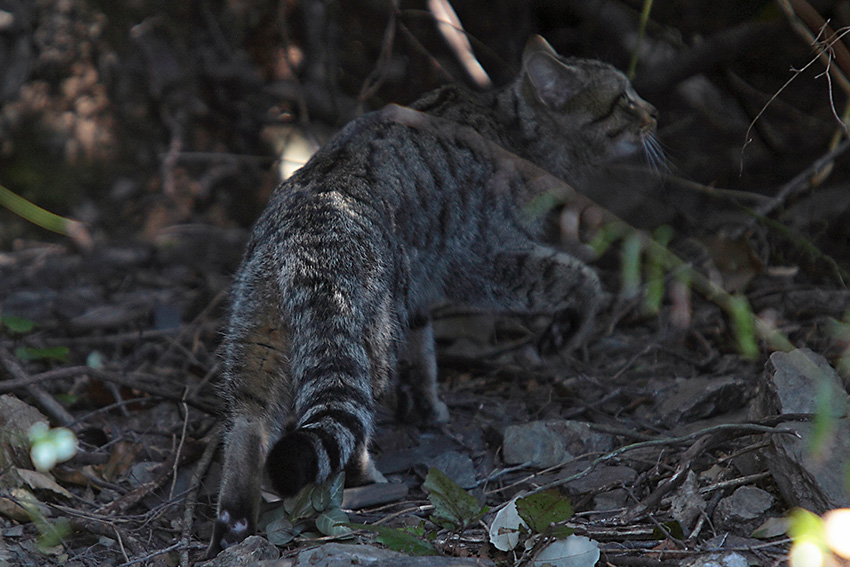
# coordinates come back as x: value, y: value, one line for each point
x: 558, y: 283
x: 536, y: 279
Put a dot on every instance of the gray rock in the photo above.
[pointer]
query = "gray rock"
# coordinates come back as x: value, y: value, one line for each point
x: 730, y: 559
x: 745, y: 508
x: 807, y: 466
x: 807, y: 477
x: 611, y: 500
x: 698, y: 398
x: 792, y: 382
x: 457, y: 466
x: 548, y: 443
x: 686, y: 504
x: 602, y: 476
x: 533, y: 443
x: 16, y: 419
x: 372, y: 495
x: 342, y: 555
x: 255, y: 550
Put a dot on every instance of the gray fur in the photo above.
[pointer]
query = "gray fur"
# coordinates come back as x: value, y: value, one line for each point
x: 380, y: 224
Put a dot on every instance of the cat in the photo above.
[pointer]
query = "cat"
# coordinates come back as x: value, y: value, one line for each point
x: 400, y: 210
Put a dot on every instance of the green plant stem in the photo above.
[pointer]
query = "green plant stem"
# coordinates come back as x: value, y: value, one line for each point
x: 34, y: 214
x: 644, y: 17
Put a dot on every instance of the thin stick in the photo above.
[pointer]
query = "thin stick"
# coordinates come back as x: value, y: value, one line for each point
x: 47, y: 402
x: 212, y: 441
x: 135, y: 380
x: 802, y: 180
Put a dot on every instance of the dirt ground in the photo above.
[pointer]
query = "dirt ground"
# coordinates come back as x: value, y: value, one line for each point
x: 161, y: 127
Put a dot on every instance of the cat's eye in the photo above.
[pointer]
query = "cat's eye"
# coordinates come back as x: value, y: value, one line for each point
x: 628, y: 100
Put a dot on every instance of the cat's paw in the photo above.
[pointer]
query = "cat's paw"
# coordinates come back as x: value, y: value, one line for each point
x: 568, y: 330
x: 438, y: 413
x: 229, y: 530
x: 419, y: 409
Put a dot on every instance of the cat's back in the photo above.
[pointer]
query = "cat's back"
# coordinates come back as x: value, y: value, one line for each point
x: 420, y: 182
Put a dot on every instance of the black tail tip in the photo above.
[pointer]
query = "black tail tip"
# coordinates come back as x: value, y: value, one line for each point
x: 292, y: 463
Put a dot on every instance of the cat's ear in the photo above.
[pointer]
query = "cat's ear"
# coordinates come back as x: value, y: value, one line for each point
x: 537, y: 44
x: 554, y: 81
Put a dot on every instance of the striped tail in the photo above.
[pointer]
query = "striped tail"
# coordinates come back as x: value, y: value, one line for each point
x: 333, y: 402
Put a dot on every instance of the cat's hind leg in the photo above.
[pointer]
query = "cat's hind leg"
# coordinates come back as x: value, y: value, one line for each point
x: 417, y: 398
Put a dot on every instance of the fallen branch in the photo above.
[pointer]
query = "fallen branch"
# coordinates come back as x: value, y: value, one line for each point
x: 136, y: 381
x: 211, y: 443
x: 44, y: 399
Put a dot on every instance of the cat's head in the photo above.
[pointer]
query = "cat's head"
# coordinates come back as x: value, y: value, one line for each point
x: 584, y: 111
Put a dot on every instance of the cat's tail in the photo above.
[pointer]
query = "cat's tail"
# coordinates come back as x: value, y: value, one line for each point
x: 334, y: 408
x: 330, y: 368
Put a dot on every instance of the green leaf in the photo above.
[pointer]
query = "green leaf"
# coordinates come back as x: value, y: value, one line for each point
x: 300, y: 506
x: 541, y: 511
x: 630, y: 265
x: 270, y: 516
x: 53, y: 534
x: 328, y: 495
x: 772, y: 527
x: 671, y: 528
x: 332, y: 523
x: 59, y: 353
x: 806, y: 526
x: 561, y: 532
x: 67, y: 399
x: 35, y: 214
x: 399, y: 540
x: 606, y: 236
x: 17, y: 324
x: 316, y: 498
x: 281, y: 531
x: 540, y: 205
x: 743, y: 321
x: 454, y: 508
x: 655, y: 269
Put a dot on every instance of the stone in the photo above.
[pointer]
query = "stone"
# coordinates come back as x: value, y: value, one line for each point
x: 343, y: 555
x: 544, y: 444
x: 744, y: 509
x: 730, y: 559
x: 372, y: 495
x: 254, y: 551
x: 686, y: 504
x: 793, y: 382
x: 807, y: 460
x: 699, y: 398
x: 457, y: 466
x: 809, y: 469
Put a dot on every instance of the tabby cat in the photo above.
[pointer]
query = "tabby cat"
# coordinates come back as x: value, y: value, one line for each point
x: 392, y: 215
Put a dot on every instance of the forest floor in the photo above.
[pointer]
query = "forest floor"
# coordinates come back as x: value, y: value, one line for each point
x: 676, y: 435
x: 665, y: 420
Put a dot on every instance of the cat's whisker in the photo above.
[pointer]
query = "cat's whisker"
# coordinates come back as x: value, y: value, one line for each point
x: 655, y: 156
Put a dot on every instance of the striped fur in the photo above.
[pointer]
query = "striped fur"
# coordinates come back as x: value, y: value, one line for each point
x: 381, y: 223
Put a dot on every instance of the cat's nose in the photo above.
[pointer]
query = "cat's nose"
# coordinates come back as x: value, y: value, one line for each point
x: 649, y: 119
x: 652, y: 110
